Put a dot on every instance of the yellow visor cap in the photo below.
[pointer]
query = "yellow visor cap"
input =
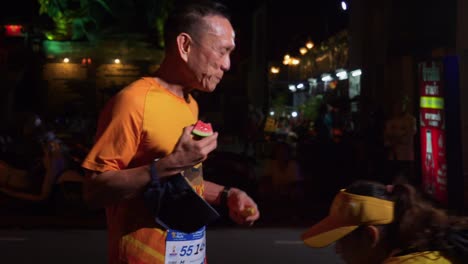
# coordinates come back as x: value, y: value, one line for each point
x: 348, y: 212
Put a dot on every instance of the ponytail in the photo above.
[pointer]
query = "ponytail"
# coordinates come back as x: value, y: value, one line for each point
x: 456, y: 237
x: 419, y: 226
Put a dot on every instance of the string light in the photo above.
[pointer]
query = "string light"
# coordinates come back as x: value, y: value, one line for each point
x: 344, y: 6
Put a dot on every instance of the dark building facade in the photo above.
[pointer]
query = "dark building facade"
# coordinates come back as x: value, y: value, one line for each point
x: 389, y: 40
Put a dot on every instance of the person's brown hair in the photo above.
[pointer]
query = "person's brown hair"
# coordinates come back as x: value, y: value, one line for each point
x: 418, y: 225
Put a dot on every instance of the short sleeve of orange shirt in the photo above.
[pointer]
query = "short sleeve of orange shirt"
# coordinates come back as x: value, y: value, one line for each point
x: 141, y: 123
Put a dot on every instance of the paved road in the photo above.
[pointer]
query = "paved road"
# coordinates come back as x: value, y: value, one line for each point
x: 224, y: 245
x: 264, y: 245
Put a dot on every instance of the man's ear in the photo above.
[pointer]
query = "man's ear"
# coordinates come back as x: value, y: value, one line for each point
x: 184, y: 41
x: 374, y: 235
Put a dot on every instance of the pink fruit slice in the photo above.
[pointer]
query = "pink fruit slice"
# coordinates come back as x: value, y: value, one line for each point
x: 202, y: 129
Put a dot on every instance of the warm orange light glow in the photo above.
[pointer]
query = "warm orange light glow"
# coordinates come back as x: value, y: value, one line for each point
x: 303, y: 50
x: 295, y: 61
x: 288, y: 60
x: 274, y: 70
x: 309, y: 44
x: 321, y: 58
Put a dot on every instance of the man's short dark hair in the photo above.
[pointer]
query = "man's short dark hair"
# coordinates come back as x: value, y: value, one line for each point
x: 187, y: 16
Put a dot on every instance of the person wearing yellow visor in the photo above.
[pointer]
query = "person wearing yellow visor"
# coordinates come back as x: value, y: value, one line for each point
x: 373, y: 223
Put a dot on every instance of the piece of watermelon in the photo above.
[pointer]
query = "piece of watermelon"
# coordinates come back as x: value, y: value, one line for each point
x: 202, y: 129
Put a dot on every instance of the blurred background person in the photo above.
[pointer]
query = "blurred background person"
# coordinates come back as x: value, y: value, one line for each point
x: 399, y: 133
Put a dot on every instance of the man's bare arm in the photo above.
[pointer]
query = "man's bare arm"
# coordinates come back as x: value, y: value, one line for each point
x: 102, y: 189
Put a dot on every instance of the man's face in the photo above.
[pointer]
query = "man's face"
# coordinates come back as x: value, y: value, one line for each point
x: 209, y: 55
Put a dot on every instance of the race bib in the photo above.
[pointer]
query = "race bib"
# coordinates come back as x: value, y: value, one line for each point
x: 185, y: 248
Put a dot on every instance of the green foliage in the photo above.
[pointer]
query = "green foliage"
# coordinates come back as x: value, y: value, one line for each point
x: 159, y: 28
x: 279, y: 102
x: 311, y: 106
x: 157, y: 17
x: 72, y: 18
x: 83, y: 19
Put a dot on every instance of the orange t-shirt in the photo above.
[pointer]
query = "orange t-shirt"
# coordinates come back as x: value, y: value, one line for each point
x: 142, y: 122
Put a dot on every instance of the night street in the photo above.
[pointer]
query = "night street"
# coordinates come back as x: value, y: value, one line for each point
x: 256, y: 120
x: 225, y: 245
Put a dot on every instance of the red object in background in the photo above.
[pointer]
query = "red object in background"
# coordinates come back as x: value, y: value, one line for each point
x: 85, y: 61
x: 13, y: 30
x: 333, y: 84
x: 432, y: 131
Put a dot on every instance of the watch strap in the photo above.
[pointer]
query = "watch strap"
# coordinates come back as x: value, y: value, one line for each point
x: 223, y: 200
